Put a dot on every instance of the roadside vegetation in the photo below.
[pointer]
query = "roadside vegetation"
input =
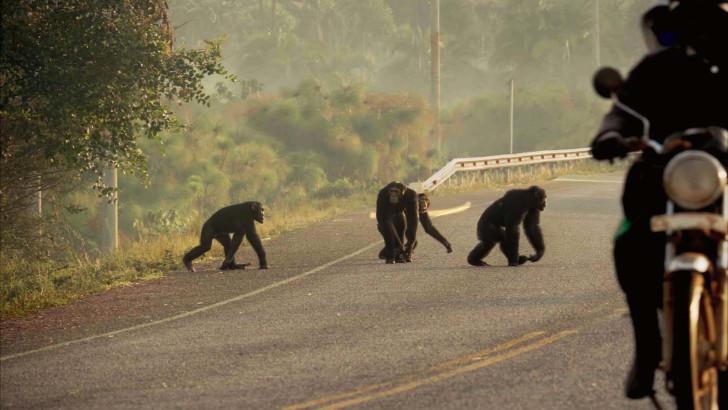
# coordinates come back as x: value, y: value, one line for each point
x: 306, y: 106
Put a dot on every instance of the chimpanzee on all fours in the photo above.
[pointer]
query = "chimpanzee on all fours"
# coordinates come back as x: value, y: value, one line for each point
x: 238, y: 220
x: 500, y: 224
x: 423, y: 204
x: 397, y: 205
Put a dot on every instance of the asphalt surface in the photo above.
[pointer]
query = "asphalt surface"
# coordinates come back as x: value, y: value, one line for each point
x: 331, y: 326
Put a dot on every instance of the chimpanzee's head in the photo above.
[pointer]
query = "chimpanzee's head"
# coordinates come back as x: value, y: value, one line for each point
x: 539, y: 197
x: 423, y: 201
x: 395, y: 193
x: 258, y: 211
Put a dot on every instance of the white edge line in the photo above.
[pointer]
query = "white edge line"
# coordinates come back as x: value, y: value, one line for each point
x: 195, y: 311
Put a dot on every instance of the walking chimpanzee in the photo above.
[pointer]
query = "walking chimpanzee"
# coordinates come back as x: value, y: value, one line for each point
x: 500, y: 224
x: 238, y: 220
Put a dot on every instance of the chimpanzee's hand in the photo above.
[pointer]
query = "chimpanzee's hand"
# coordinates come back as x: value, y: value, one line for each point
x: 408, y: 251
x: 448, y: 247
x: 264, y: 266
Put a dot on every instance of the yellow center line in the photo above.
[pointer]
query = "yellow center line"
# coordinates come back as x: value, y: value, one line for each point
x: 471, y: 362
x: 450, y: 373
x: 448, y: 364
x: 335, y: 397
x: 479, y: 355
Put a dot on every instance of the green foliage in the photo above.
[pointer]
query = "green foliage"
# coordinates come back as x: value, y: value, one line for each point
x: 341, y: 188
x: 358, y: 135
x: 81, y: 81
x: 118, y: 58
x: 161, y: 222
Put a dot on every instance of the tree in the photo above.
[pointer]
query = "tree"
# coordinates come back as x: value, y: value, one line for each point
x: 81, y: 80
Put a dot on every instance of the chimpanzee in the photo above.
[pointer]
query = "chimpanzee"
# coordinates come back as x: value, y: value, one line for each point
x: 397, y: 206
x: 499, y: 224
x: 238, y: 220
x: 423, y: 202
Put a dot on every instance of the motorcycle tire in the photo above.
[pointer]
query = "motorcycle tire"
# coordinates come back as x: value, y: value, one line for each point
x: 694, y: 383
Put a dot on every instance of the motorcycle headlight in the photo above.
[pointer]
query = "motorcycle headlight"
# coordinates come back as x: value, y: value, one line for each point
x: 694, y: 179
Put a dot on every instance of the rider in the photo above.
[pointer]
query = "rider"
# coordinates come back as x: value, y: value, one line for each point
x: 681, y: 84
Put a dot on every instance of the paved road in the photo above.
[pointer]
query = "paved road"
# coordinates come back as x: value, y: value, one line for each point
x: 330, y: 326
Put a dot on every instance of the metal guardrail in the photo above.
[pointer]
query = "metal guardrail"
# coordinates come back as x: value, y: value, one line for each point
x: 501, y: 161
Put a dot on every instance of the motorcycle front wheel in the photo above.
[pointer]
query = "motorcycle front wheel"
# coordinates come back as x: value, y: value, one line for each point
x: 693, y: 374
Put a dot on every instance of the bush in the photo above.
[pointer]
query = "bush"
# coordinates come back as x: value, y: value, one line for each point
x: 340, y: 188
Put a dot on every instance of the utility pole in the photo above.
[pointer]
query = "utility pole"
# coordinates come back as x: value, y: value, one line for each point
x: 110, y: 234
x: 273, y: 23
x: 513, y: 89
x: 435, y: 72
x: 597, y: 34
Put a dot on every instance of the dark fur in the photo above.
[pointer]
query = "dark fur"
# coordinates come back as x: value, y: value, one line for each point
x: 500, y: 224
x: 423, y: 205
x: 397, y: 213
x: 238, y: 220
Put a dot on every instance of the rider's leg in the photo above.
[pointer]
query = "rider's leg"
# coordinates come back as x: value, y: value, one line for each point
x: 639, y: 258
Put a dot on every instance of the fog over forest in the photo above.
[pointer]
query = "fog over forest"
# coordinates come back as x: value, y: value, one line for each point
x: 550, y: 48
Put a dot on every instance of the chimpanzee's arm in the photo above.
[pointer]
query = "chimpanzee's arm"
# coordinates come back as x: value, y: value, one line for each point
x: 257, y: 245
x: 234, y: 245
x: 426, y: 222
x: 510, y: 244
x: 393, y: 234
x: 533, y: 233
x: 411, y: 213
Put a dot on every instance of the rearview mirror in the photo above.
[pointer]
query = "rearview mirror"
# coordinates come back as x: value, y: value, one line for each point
x: 607, y: 82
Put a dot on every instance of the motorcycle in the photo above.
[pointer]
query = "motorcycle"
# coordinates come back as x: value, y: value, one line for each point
x: 694, y: 319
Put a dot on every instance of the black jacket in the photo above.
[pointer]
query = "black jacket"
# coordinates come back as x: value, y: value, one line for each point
x: 676, y: 90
